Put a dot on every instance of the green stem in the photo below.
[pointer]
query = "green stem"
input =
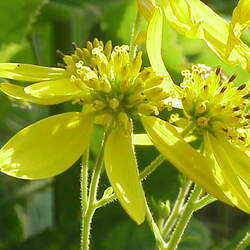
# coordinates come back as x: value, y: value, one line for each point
x: 90, y: 209
x: 183, y: 191
x: 155, y: 229
x: 204, y: 201
x: 84, y: 181
x: 184, y: 218
x: 244, y: 242
x: 152, y: 166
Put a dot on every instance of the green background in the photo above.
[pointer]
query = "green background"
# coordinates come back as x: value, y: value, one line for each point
x: 45, y: 214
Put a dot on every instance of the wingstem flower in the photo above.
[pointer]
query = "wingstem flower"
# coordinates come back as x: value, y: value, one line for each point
x: 218, y: 114
x: 194, y: 19
x: 113, y: 89
x: 165, y: 137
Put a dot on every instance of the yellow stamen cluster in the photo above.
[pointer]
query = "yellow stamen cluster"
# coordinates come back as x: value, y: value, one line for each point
x: 114, y: 83
x: 213, y: 104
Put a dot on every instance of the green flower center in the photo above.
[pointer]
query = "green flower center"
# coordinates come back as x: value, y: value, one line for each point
x: 213, y: 104
x: 112, y: 82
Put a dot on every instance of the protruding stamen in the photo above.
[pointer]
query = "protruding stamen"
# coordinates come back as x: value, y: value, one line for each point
x: 246, y: 96
x: 218, y: 70
x: 232, y: 78
x: 242, y: 86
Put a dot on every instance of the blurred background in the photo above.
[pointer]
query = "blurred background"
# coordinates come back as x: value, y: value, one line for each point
x: 45, y: 214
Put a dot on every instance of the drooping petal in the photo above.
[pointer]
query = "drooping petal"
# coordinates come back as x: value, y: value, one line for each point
x: 239, y: 160
x: 239, y: 22
x: 121, y: 168
x: 196, y: 20
x: 225, y: 173
x: 17, y: 92
x: 154, y: 39
x: 61, y: 87
x: 146, y: 8
x: 153, y: 44
x: 29, y: 72
x: 141, y: 139
x: 182, y: 155
x: 46, y: 148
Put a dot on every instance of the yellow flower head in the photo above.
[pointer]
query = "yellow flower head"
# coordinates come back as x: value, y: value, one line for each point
x: 213, y: 104
x: 218, y: 112
x: 112, y: 83
x: 113, y: 89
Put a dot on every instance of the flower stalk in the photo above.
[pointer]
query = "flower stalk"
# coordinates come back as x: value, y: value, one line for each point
x: 244, y: 242
x: 89, y: 209
x: 170, y: 222
x: 184, y: 219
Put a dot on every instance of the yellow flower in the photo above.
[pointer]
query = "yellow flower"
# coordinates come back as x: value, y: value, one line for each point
x: 217, y: 171
x: 113, y: 89
x: 217, y: 113
x: 196, y: 20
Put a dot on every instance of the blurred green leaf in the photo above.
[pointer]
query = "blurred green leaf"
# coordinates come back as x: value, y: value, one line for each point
x: 22, y: 15
x: 118, y: 20
x: 196, y: 237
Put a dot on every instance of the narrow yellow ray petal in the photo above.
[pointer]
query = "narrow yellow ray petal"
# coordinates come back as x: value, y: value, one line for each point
x: 17, y: 92
x: 153, y: 44
x: 182, y: 155
x: 121, y: 168
x: 29, y: 72
x: 239, y: 22
x: 226, y: 177
x: 141, y: 139
x: 61, y: 87
x: 46, y: 148
x: 240, y: 160
x: 154, y: 40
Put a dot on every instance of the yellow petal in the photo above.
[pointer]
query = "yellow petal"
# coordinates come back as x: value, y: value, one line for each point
x: 182, y: 155
x: 226, y: 176
x: 62, y: 87
x: 154, y: 39
x: 17, y: 92
x: 123, y: 175
x: 239, y: 22
x: 146, y: 8
x: 240, y: 160
x: 46, y: 148
x: 196, y: 20
x: 29, y: 72
x: 141, y: 139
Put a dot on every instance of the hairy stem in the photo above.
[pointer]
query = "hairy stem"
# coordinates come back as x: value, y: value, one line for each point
x: 184, y: 219
x: 183, y: 191
x: 244, y: 242
x: 90, y: 208
x: 158, y: 237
